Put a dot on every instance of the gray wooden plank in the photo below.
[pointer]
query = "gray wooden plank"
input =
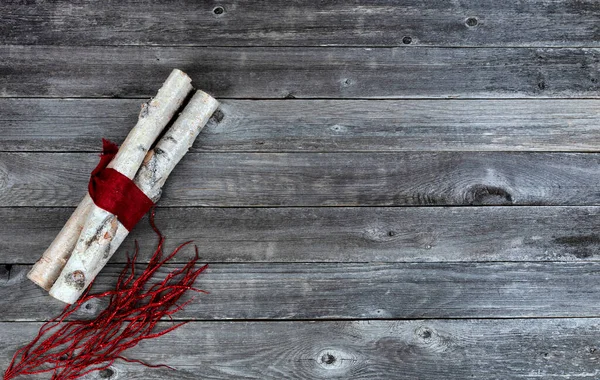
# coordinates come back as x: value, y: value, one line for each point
x: 319, y: 125
x: 61, y: 71
x: 352, y: 291
x: 303, y: 23
x: 420, y: 349
x: 325, y: 179
x: 361, y: 234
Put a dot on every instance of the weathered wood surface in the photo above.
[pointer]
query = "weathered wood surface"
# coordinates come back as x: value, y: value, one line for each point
x: 351, y: 291
x: 62, y: 71
x: 326, y: 179
x: 283, y: 23
x: 420, y: 349
x: 353, y: 234
x: 319, y: 125
x: 399, y: 103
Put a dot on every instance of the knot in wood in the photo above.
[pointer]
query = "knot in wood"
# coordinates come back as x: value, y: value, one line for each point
x: 333, y: 359
x: 90, y: 307
x: 106, y: 373
x: 431, y: 339
x: 218, y: 116
x: 347, y: 82
x: 328, y: 359
x: 380, y: 233
x: 424, y: 333
x: 486, y: 194
x: 338, y: 128
x: 471, y: 22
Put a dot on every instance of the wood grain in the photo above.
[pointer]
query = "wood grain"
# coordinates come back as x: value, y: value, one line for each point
x: 423, y: 349
x: 319, y: 125
x: 352, y: 291
x: 361, y: 234
x: 325, y: 179
x: 327, y: 106
x: 62, y: 71
x: 302, y: 23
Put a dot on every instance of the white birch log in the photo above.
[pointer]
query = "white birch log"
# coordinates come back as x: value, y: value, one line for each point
x: 48, y: 267
x: 153, y: 118
x: 103, y: 233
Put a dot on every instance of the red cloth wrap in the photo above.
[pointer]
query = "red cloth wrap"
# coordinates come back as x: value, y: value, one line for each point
x: 115, y: 193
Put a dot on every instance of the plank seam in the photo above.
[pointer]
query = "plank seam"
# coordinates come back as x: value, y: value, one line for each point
x: 332, y: 46
x: 328, y: 320
x: 300, y: 98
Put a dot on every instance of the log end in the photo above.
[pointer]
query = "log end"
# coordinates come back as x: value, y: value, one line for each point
x: 39, y: 281
x: 69, y: 288
x: 45, y: 272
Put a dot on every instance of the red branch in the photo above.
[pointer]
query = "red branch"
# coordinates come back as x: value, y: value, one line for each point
x: 72, y: 349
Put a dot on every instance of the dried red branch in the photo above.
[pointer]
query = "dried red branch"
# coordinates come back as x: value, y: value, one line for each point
x: 71, y: 349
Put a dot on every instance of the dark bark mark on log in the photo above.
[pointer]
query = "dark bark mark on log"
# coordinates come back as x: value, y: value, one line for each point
x: 169, y: 138
x: 145, y: 110
x: 75, y: 279
x: 98, y: 233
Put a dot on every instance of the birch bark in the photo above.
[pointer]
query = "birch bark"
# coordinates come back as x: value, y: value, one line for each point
x: 103, y: 233
x: 153, y: 117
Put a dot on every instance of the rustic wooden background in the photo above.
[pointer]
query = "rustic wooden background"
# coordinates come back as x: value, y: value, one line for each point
x: 390, y: 190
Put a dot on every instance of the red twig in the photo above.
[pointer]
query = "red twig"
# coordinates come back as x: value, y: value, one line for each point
x: 72, y: 349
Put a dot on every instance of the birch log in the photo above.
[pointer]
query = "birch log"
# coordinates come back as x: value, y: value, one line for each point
x: 153, y: 118
x: 103, y: 233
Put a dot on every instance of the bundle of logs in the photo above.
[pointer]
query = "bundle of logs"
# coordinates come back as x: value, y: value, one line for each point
x: 92, y: 235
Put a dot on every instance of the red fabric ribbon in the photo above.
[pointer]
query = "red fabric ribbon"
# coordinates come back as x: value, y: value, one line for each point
x: 115, y: 193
